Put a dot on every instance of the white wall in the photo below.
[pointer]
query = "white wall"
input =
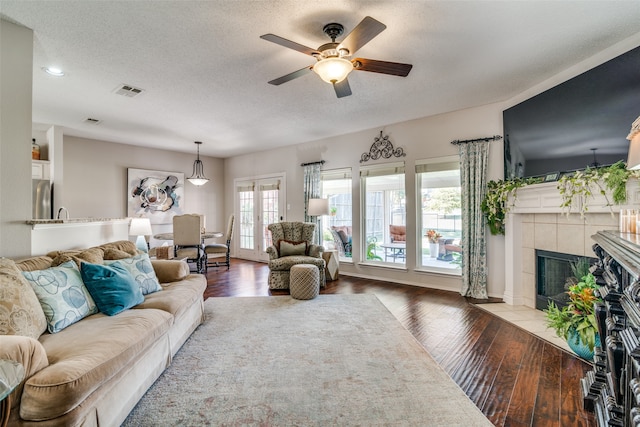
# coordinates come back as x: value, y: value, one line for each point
x: 16, y: 68
x: 420, y: 139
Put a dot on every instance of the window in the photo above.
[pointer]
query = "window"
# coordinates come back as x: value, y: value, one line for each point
x: 384, y: 208
x: 439, y: 213
x: 337, y: 227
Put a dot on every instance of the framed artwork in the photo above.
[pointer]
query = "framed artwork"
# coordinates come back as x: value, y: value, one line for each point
x: 157, y: 195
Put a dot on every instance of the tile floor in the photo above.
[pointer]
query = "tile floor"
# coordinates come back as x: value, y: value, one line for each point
x: 527, y: 318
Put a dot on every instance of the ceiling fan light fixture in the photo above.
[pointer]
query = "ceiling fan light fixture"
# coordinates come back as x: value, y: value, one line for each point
x: 333, y: 70
x: 53, y: 71
x: 198, y: 178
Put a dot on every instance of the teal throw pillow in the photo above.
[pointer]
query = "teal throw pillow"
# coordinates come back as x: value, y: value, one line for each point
x: 142, y: 271
x: 62, y: 295
x: 111, y: 286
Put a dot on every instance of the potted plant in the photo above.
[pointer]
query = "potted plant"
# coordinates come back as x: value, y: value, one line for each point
x: 576, y: 322
x: 333, y: 211
x: 371, y: 249
x: 433, y: 236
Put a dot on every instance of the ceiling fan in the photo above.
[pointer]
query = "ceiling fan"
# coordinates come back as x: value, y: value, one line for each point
x: 333, y: 65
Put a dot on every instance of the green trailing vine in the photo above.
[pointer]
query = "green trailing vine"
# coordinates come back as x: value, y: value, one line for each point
x: 575, y: 189
x: 495, y: 205
x: 578, y: 188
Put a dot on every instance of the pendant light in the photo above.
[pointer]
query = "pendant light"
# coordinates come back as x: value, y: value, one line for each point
x: 197, y: 178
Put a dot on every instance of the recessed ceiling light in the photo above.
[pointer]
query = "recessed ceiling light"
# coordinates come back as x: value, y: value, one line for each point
x: 53, y: 71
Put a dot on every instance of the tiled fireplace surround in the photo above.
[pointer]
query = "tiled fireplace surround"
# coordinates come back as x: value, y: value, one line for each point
x: 536, y: 221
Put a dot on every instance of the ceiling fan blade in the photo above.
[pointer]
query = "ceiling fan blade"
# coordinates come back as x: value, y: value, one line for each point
x: 362, y: 34
x: 342, y: 88
x: 287, y: 77
x: 383, y: 67
x: 288, y: 43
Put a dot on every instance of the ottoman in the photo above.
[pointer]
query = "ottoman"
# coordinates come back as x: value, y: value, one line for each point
x: 304, y: 281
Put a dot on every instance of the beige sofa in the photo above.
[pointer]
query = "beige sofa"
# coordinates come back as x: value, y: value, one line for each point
x: 93, y: 372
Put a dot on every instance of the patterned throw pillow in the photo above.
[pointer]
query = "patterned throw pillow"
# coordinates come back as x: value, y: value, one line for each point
x: 62, y: 294
x: 20, y: 311
x: 111, y: 286
x: 142, y: 271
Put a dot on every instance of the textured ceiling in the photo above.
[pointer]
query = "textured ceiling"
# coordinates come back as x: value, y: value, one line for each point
x: 204, y: 69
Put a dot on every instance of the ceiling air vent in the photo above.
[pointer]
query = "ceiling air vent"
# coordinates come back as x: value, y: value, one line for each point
x: 128, y: 90
x: 92, y: 121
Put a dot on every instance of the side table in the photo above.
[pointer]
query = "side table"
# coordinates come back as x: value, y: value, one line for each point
x: 332, y: 265
x: 11, y: 374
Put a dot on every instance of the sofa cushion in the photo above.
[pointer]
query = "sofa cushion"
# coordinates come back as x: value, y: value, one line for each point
x: 176, y: 297
x: 93, y: 255
x: 142, y: 271
x: 122, y: 245
x: 20, y: 310
x: 62, y: 295
x: 343, y: 237
x: 168, y: 271
x: 285, y: 263
x: 109, y: 344
x: 35, y: 263
x: 115, y: 254
x: 112, y: 287
x: 26, y: 351
x: 345, y: 229
x: 398, y: 233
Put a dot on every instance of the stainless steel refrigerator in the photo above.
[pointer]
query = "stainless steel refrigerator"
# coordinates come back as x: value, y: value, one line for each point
x: 41, y: 196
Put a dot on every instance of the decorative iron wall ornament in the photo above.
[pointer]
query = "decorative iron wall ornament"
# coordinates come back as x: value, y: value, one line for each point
x: 382, y: 148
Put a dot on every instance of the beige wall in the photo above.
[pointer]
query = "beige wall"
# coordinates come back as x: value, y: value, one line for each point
x: 16, y: 68
x: 420, y: 139
x: 95, y: 179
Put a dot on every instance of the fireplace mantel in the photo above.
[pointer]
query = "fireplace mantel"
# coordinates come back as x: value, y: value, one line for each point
x: 546, y: 198
x: 536, y: 220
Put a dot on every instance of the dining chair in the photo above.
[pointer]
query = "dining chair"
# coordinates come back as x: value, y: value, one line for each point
x: 215, y: 250
x: 187, y: 239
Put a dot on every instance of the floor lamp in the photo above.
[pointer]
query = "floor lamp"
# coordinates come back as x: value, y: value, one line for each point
x: 318, y: 208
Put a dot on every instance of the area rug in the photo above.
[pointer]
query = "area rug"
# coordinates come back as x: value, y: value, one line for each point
x: 336, y: 360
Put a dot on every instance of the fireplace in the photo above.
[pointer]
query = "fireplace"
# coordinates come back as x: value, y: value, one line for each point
x: 553, y: 275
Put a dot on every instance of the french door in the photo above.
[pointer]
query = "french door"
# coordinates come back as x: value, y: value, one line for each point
x: 259, y: 202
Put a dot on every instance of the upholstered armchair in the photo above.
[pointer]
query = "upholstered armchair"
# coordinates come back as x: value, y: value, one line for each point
x: 292, y: 244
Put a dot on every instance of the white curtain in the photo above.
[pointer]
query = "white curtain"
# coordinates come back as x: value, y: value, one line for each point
x: 474, y: 157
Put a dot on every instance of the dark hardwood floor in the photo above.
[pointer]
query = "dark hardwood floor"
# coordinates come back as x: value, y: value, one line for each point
x: 514, y: 377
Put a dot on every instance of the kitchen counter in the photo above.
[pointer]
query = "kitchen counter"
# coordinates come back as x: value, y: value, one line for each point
x: 73, y: 233
x: 71, y: 220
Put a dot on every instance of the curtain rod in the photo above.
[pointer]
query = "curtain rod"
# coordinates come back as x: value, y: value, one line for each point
x: 322, y: 162
x: 489, y: 138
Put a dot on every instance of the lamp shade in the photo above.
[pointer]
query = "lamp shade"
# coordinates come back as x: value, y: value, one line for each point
x: 140, y: 227
x: 318, y: 207
x: 633, y: 161
x: 333, y: 70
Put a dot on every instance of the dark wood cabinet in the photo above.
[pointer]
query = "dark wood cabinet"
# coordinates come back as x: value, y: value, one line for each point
x: 612, y: 388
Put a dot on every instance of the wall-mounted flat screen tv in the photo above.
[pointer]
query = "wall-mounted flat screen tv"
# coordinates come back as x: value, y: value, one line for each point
x: 580, y: 123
